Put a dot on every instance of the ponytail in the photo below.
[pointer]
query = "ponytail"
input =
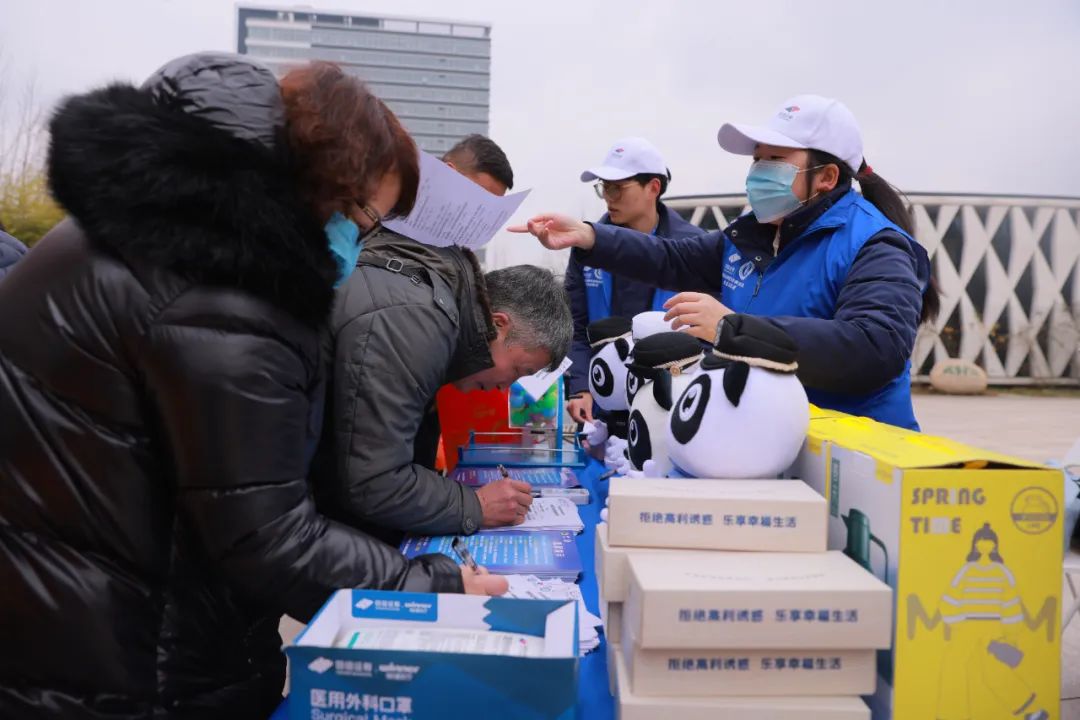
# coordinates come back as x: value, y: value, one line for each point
x: 887, y: 199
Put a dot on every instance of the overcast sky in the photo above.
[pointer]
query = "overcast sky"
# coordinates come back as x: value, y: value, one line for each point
x: 952, y: 96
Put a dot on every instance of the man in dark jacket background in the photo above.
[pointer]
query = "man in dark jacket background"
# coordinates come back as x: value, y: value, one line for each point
x: 631, y: 180
x: 412, y: 319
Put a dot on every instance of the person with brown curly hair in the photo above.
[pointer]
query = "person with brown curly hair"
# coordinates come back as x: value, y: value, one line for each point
x: 160, y: 377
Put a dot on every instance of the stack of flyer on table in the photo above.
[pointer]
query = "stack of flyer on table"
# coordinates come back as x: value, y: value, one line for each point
x: 539, y: 556
x: 719, y: 600
x: 543, y: 553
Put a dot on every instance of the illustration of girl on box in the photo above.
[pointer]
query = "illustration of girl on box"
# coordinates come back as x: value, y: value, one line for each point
x: 982, y: 614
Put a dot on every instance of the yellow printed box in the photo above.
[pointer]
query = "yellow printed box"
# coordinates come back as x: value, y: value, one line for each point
x: 972, y: 543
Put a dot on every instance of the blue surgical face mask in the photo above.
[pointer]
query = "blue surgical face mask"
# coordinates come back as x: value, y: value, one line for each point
x: 343, y: 238
x: 768, y: 188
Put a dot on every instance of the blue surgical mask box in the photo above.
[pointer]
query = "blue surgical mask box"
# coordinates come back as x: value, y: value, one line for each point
x: 370, y: 655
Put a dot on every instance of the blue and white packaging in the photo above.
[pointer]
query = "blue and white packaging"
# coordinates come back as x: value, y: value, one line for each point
x: 331, y: 682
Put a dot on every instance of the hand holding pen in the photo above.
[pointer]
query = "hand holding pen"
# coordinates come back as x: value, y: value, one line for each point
x: 506, y: 501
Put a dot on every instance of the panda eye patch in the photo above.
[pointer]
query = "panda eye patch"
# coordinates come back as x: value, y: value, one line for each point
x: 633, y: 384
x: 602, y: 381
x: 686, y: 420
x: 639, y: 444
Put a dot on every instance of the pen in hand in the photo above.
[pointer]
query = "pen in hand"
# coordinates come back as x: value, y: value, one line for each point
x: 463, y: 552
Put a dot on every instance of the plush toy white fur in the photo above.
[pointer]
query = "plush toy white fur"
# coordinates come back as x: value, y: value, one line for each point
x: 607, y: 375
x: 649, y: 323
x: 661, y: 367
x: 738, y: 421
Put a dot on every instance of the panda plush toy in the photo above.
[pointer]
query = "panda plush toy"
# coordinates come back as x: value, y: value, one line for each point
x: 611, y: 342
x: 745, y: 413
x: 649, y: 323
x: 660, y: 368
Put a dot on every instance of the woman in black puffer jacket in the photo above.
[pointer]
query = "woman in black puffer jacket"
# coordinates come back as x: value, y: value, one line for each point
x: 159, y: 384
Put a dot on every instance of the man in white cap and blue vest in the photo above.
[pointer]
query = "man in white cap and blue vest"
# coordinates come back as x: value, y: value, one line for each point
x: 631, y: 180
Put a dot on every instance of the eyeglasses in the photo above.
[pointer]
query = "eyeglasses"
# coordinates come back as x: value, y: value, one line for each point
x: 374, y: 217
x: 610, y: 190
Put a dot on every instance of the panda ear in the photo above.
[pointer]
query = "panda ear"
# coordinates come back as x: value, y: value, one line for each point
x: 735, y: 381
x: 661, y: 390
x: 623, y: 348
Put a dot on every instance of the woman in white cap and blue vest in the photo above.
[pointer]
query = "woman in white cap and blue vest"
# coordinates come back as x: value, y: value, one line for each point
x: 839, y: 271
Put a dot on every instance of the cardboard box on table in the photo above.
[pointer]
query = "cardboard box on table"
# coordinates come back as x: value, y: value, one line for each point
x: 364, y: 684
x: 757, y: 515
x: 971, y: 541
x: 632, y: 706
x: 611, y: 614
x: 748, y: 672
x: 613, y: 577
x: 780, y: 601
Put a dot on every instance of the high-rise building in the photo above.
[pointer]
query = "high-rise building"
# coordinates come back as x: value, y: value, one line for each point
x: 434, y: 74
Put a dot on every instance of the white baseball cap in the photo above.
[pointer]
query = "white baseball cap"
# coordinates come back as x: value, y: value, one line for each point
x: 626, y: 158
x: 804, y: 121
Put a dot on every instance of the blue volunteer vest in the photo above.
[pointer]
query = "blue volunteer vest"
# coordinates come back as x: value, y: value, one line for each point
x: 804, y: 280
x: 598, y: 287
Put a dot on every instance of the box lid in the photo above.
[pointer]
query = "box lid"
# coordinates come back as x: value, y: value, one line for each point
x: 907, y: 449
x: 752, y: 572
x: 766, y: 490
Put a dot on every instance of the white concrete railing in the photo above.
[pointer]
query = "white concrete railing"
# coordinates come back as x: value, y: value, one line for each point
x: 1009, y: 271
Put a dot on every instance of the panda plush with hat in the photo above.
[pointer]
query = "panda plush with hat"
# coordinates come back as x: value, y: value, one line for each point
x: 611, y: 341
x: 744, y: 414
x: 660, y: 368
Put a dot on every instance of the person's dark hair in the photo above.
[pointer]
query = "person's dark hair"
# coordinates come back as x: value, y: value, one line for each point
x: 888, y: 200
x: 344, y: 140
x: 984, y: 533
x: 538, y: 304
x: 477, y: 153
x: 643, y: 179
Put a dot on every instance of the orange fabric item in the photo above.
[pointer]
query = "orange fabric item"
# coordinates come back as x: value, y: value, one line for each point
x: 459, y: 413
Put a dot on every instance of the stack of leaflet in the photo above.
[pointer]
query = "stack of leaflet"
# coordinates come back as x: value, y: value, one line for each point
x: 538, y: 477
x: 778, y: 629
x: 543, y: 553
x: 530, y: 587
x: 548, y: 514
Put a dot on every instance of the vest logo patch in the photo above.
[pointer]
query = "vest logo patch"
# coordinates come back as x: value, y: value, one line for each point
x: 746, y: 270
x: 594, y: 277
x: 733, y: 258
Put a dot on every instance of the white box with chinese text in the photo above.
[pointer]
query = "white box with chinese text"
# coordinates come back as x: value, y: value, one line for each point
x: 756, y: 600
x: 668, y: 672
x: 763, y: 515
x: 632, y: 706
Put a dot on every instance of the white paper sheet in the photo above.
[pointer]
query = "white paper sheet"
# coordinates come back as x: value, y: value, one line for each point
x: 453, y: 210
x: 538, y: 383
x: 533, y: 588
x: 555, y: 513
x: 473, y: 642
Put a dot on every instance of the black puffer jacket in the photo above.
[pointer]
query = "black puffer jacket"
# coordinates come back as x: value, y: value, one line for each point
x: 158, y: 364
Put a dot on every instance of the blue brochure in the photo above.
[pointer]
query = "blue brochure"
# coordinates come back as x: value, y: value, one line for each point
x: 537, y: 477
x: 544, y: 553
